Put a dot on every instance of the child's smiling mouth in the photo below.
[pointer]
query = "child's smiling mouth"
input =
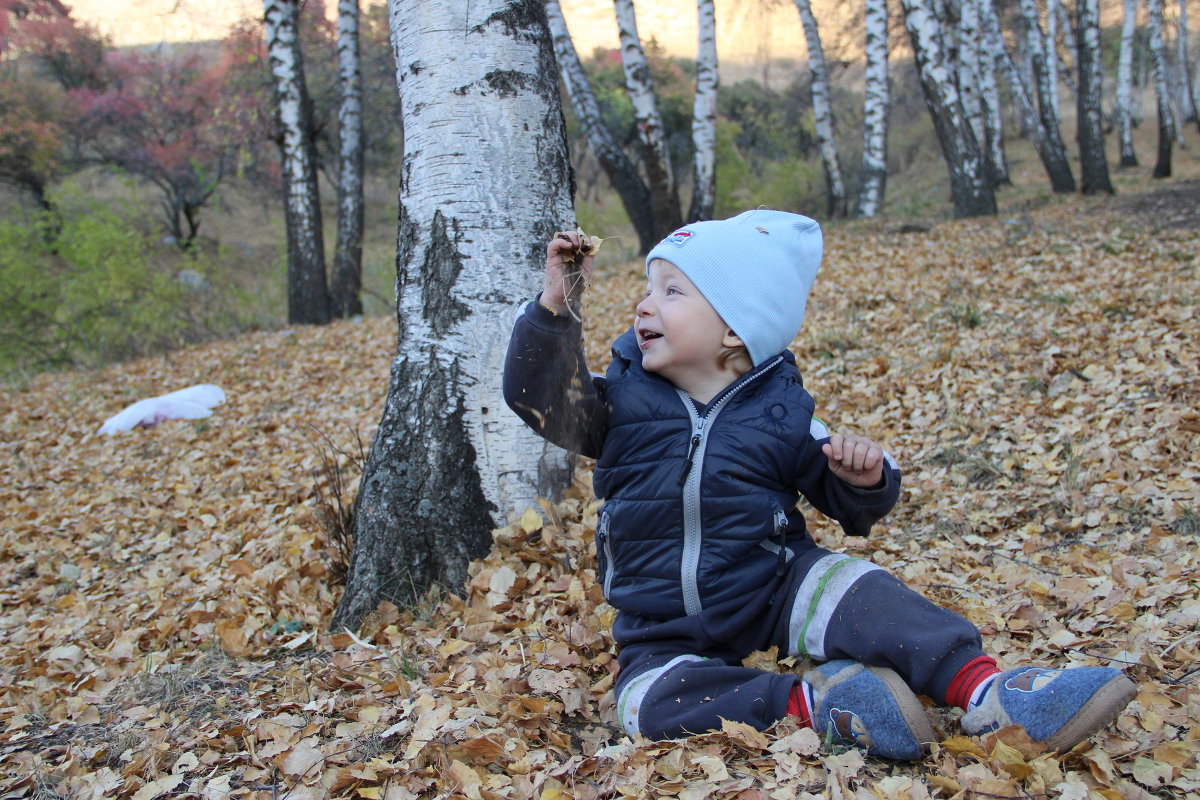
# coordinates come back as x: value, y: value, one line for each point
x: 646, y: 337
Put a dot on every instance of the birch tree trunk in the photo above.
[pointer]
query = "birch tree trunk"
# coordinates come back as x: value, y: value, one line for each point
x: 1069, y: 43
x: 704, y: 117
x: 1053, y: 159
x: 308, y: 295
x: 1162, y: 92
x: 347, y: 254
x: 1035, y: 44
x: 1187, y: 94
x: 656, y: 159
x: 970, y: 187
x: 980, y: 95
x: 1052, y: 9
x: 622, y: 172
x: 875, y: 111
x: 993, y: 110
x: 1124, y: 98
x: 835, y: 185
x: 1090, y: 125
x: 486, y: 182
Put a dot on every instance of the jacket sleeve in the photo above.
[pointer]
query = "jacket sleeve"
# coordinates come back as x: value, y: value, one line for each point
x: 855, y: 508
x: 547, y: 383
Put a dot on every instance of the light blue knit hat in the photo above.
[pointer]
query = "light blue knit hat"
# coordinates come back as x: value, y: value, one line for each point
x: 755, y: 269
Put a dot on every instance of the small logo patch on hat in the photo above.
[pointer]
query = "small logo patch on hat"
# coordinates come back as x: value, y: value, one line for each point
x: 680, y: 238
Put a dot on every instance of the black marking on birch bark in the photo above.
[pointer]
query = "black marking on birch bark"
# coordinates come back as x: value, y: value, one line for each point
x: 440, y: 269
x: 518, y: 18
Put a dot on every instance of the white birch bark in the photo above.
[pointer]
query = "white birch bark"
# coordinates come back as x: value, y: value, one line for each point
x: 1051, y: 151
x: 1124, y: 98
x: 1094, y: 177
x: 308, y: 297
x: 485, y: 183
x: 622, y: 173
x: 1052, y: 9
x: 989, y: 97
x: 1035, y: 45
x: 656, y: 158
x: 1070, y: 45
x: 835, y: 185
x: 1162, y: 92
x: 1187, y: 95
x: 875, y: 111
x: 347, y: 259
x: 704, y: 116
x: 970, y: 187
x: 969, y: 72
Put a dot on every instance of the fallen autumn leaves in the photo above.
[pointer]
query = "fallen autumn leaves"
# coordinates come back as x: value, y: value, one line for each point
x: 165, y: 592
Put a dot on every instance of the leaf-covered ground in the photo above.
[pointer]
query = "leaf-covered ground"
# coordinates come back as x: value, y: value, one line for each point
x: 165, y: 593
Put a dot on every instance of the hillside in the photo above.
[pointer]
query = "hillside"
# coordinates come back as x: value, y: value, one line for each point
x: 165, y: 593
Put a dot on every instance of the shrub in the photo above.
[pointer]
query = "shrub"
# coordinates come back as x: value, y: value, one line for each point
x: 83, y: 285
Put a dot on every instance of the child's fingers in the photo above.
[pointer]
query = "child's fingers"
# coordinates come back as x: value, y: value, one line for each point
x: 833, y: 449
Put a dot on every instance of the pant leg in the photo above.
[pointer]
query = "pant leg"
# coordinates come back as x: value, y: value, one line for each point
x: 845, y: 607
x: 676, y: 681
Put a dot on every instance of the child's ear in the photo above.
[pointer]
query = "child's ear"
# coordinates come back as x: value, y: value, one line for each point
x: 731, y: 339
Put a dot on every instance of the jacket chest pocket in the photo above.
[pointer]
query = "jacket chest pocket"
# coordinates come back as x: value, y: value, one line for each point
x: 777, y: 542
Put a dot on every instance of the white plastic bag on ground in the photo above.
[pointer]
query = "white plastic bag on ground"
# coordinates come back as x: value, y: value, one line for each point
x: 194, y: 402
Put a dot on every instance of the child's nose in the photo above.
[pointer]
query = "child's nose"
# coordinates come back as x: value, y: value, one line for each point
x: 643, y: 308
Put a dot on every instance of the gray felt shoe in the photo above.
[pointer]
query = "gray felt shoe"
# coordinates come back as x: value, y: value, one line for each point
x: 1060, y: 707
x: 870, y: 707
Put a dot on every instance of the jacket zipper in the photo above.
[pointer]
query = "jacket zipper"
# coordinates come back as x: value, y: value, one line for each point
x: 693, y: 468
x: 781, y: 532
x: 602, y: 538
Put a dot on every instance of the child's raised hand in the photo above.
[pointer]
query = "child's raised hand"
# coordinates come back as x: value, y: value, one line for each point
x: 855, y: 459
x: 569, y: 257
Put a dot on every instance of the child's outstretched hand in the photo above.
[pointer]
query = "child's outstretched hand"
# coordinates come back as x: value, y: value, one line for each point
x: 569, y: 257
x: 855, y: 459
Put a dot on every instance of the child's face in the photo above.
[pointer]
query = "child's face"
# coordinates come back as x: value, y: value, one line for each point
x: 681, y: 335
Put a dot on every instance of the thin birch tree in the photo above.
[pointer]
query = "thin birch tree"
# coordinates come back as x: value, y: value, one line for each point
x: 1052, y: 9
x: 704, y: 116
x: 1187, y: 90
x: 1123, y: 107
x: 347, y: 254
x: 656, y: 159
x: 993, y: 109
x: 1162, y: 92
x: 873, y: 175
x: 621, y: 171
x: 308, y: 294
x: 835, y: 184
x: 970, y: 187
x: 486, y: 182
x: 1052, y: 154
x: 1090, y: 126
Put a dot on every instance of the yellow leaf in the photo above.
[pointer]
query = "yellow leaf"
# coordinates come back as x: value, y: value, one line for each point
x: 370, y: 793
x: 531, y: 520
x: 963, y: 746
x: 744, y: 735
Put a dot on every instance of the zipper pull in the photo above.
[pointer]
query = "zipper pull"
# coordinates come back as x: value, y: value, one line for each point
x: 780, y: 525
x: 691, y: 454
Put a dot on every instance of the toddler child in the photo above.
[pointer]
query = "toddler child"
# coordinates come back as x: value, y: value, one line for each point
x: 704, y: 438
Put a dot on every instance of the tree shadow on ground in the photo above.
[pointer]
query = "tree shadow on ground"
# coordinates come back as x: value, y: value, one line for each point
x: 1176, y: 205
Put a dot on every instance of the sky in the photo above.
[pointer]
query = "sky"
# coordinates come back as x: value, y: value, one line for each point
x: 747, y: 30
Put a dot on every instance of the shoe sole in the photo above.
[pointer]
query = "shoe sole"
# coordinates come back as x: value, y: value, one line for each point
x: 1101, y: 709
x: 910, y: 707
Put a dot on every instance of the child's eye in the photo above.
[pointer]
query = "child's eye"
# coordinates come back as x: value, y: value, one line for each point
x: 672, y: 290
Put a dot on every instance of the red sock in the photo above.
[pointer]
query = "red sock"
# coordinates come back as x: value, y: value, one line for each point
x: 968, y: 678
x: 798, y: 707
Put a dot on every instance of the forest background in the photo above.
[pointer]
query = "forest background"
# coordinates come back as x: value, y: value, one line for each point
x: 164, y: 174
x: 167, y: 594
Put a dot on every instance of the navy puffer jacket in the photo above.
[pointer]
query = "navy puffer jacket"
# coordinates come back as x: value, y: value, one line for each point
x: 699, y: 506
